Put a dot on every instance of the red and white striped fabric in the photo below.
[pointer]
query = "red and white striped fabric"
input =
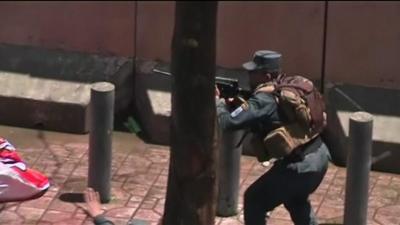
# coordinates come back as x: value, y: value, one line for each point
x: 17, y: 181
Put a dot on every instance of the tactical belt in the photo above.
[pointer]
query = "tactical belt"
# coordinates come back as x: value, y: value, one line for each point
x: 300, y: 152
x: 311, y: 146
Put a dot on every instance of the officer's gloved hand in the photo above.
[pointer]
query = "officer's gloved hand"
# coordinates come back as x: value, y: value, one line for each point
x: 235, y: 102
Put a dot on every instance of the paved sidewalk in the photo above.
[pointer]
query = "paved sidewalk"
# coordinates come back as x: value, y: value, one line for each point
x: 139, y: 180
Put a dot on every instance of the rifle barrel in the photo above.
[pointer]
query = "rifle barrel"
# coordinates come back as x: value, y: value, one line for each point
x: 218, y: 80
x: 162, y: 72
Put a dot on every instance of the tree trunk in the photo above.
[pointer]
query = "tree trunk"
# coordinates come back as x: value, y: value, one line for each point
x: 191, y: 191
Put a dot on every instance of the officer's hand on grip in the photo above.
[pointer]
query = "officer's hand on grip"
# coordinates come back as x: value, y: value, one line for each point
x: 218, y: 95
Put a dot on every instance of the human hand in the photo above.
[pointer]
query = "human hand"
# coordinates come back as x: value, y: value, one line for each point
x: 92, y: 200
x: 217, y: 92
x: 230, y: 100
x: 267, y: 88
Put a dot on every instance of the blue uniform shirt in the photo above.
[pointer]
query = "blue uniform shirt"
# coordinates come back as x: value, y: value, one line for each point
x: 260, y: 114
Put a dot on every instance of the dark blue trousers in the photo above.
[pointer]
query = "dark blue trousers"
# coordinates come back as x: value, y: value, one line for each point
x: 282, y: 185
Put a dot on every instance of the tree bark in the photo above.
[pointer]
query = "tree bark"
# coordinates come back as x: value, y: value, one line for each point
x: 191, y: 191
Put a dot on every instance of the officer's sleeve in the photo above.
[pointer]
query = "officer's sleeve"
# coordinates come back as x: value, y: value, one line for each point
x: 262, y: 105
x: 101, y: 220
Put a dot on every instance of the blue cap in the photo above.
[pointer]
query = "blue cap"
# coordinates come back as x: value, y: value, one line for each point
x: 264, y: 59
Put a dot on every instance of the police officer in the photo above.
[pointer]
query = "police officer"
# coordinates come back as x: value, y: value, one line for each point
x: 291, y: 179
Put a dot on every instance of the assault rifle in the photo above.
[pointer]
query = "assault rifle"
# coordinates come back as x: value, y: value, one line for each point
x: 228, y: 87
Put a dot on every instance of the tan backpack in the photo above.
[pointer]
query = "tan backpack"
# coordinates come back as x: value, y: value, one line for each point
x: 304, y: 108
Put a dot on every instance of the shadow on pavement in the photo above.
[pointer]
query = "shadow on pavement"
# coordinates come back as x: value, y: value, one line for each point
x: 72, y: 197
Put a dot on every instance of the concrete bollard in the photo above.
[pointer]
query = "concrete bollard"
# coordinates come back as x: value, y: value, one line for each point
x: 358, y: 168
x: 100, y: 138
x: 229, y: 173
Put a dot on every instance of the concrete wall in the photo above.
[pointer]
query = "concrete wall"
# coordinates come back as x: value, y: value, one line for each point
x: 362, y: 49
x: 155, y: 24
x: 293, y: 28
x: 362, y: 42
x: 93, y: 27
